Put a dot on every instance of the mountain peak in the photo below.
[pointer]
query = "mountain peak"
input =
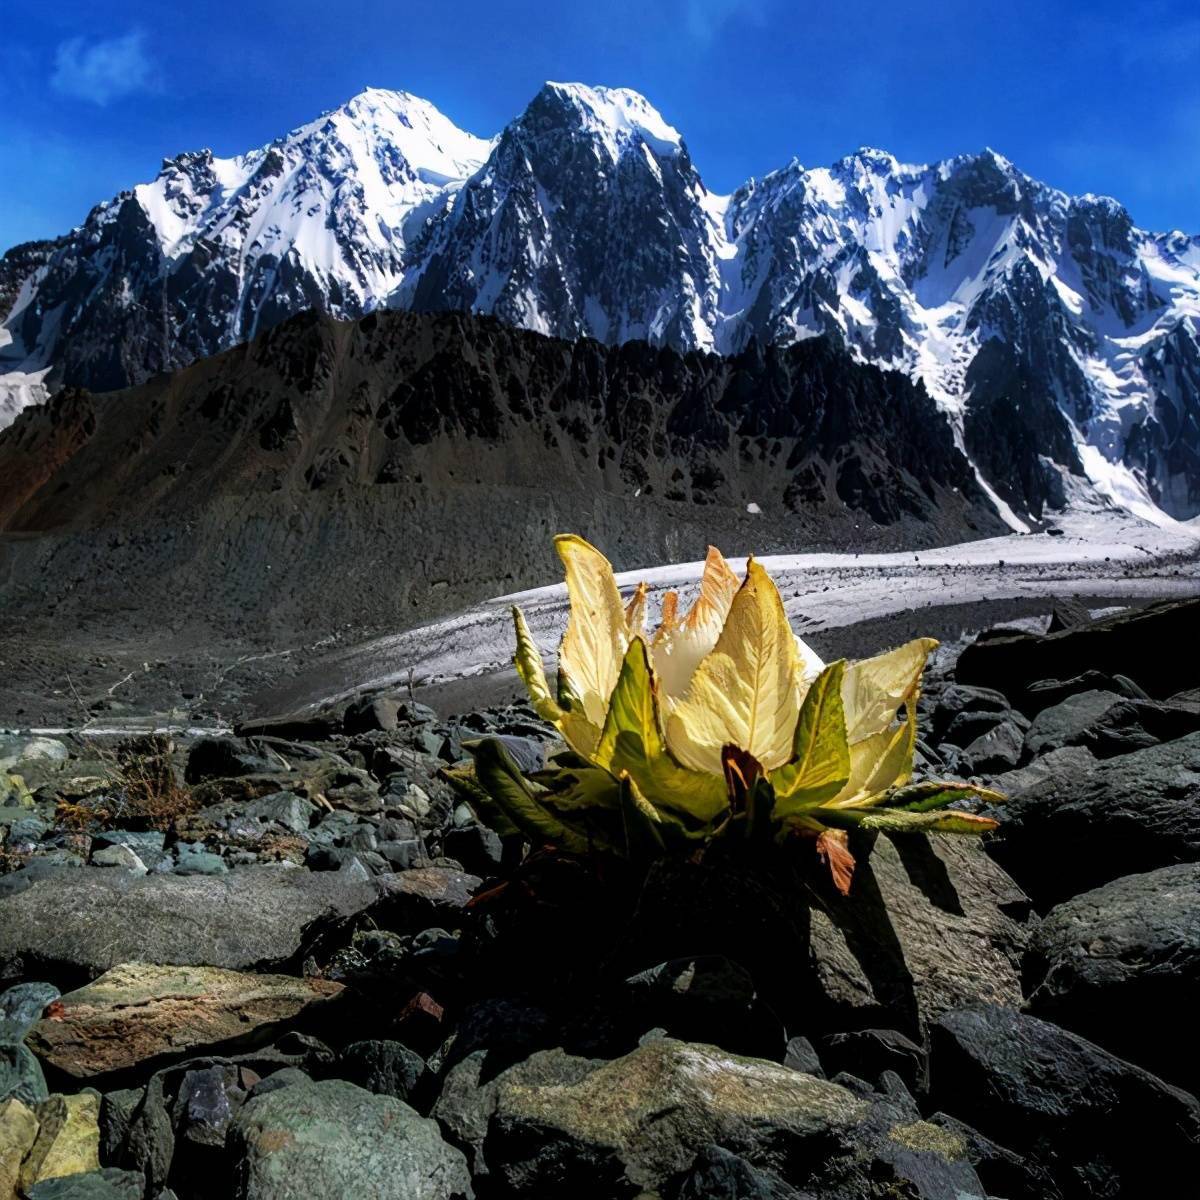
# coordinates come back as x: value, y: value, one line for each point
x: 618, y: 116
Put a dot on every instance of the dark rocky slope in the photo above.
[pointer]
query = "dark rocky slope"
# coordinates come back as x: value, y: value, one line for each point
x: 423, y: 462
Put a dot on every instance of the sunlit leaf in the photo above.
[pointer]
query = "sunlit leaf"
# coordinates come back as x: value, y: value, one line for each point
x: 595, y: 639
x: 679, y: 647
x: 820, y: 764
x: 746, y: 692
x: 632, y: 743
x: 528, y: 661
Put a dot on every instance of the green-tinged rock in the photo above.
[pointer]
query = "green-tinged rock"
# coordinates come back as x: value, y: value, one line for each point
x: 643, y: 1118
x: 21, y: 1075
x: 140, y: 1013
x: 18, y: 1132
x: 68, y: 1139
x: 109, y: 1183
x: 335, y: 1139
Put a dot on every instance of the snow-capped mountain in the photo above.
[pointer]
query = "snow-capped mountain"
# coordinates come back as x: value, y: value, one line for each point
x: 1061, y: 341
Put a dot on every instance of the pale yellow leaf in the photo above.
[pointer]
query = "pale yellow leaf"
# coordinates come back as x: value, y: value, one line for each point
x: 595, y: 641
x: 746, y: 692
x: 680, y: 647
x: 875, y: 688
x: 635, y: 612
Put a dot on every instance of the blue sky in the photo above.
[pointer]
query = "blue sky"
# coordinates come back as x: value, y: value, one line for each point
x: 1098, y: 96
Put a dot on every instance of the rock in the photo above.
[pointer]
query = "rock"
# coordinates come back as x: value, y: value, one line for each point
x: 800, y: 1055
x: 1121, y: 966
x: 476, y: 847
x: 1128, y: 815
x: 633, y: 1125
x: 930, y: 924
x: 705, y: 998
x: 384, y: 1067
x: 424, y: 896
x: 228, y: 758
x: 68, y: 1139
x: 192, y: 858
x: 18, y: 1132
x: 1108, y: 724
x: 21, y: 1075
x: 17, y: 751
x: 1099, y: 1125
x: 1067, y: 614
x: 1139, y: 643
x: 1066, y: 723
x: 284, y: 809
x: 118, y: 856
x: 205, y: 1105
x: 84, y: 920
x: 370, y: 713
x: 995, y: 751
x: 958, y: 698
x: 21, y: 1007
x: 968, y: 726
x: 1001, y: 1171
x: 718, y: 1175
x: 109, y: 1183
x: 284, y: 1077
x: 1046, y: 692
x: 1070, y: 760
x: 867, y: 1053
x: 300, y: 727
x: 139, y: 1014
x: 335, y: 1139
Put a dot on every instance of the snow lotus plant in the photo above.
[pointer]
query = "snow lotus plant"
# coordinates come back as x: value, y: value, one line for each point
x: 720, y: 723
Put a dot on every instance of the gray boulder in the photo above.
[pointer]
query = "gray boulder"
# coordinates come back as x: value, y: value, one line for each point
x: 1074, y: 831
x: 1099, y: 1125
x: 85, y: 920
x: 930, y: 924
x: 335, y: 1139
x: 631, y: 1126
x: 1121, y: 965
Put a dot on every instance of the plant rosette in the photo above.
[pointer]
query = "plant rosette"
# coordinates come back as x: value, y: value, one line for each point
x: 720, y: 726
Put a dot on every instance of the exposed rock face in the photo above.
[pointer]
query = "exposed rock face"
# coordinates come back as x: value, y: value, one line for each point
x: 332, y: 1138
x: 141, y: 1013
x: 631, y: 1126
x: 586, y: 216
x: 1128, y: 814
x: 360, y: 448
x: 1087, y: 1117
x: 80, y: 922
x: 1135, y: 643
x: 1121, y: 965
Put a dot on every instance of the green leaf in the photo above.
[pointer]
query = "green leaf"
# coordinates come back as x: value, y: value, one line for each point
x: 643, y: 827
x: 465, y: 784
x: 933, y: 794
x: 632, y: 743
x: 892, y: 820
x: 512, y: 794
x: 820, y: 763
x: 528, y: 661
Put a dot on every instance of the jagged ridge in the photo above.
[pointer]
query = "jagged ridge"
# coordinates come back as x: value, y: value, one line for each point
x: 1014, y: 303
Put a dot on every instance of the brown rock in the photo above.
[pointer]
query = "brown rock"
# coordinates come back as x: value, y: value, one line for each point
x: 138, y: 1013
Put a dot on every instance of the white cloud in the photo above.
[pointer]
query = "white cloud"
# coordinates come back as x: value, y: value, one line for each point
x: 102, y: 70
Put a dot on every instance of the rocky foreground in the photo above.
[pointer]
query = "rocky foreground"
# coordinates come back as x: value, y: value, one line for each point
x: 290, y: 962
